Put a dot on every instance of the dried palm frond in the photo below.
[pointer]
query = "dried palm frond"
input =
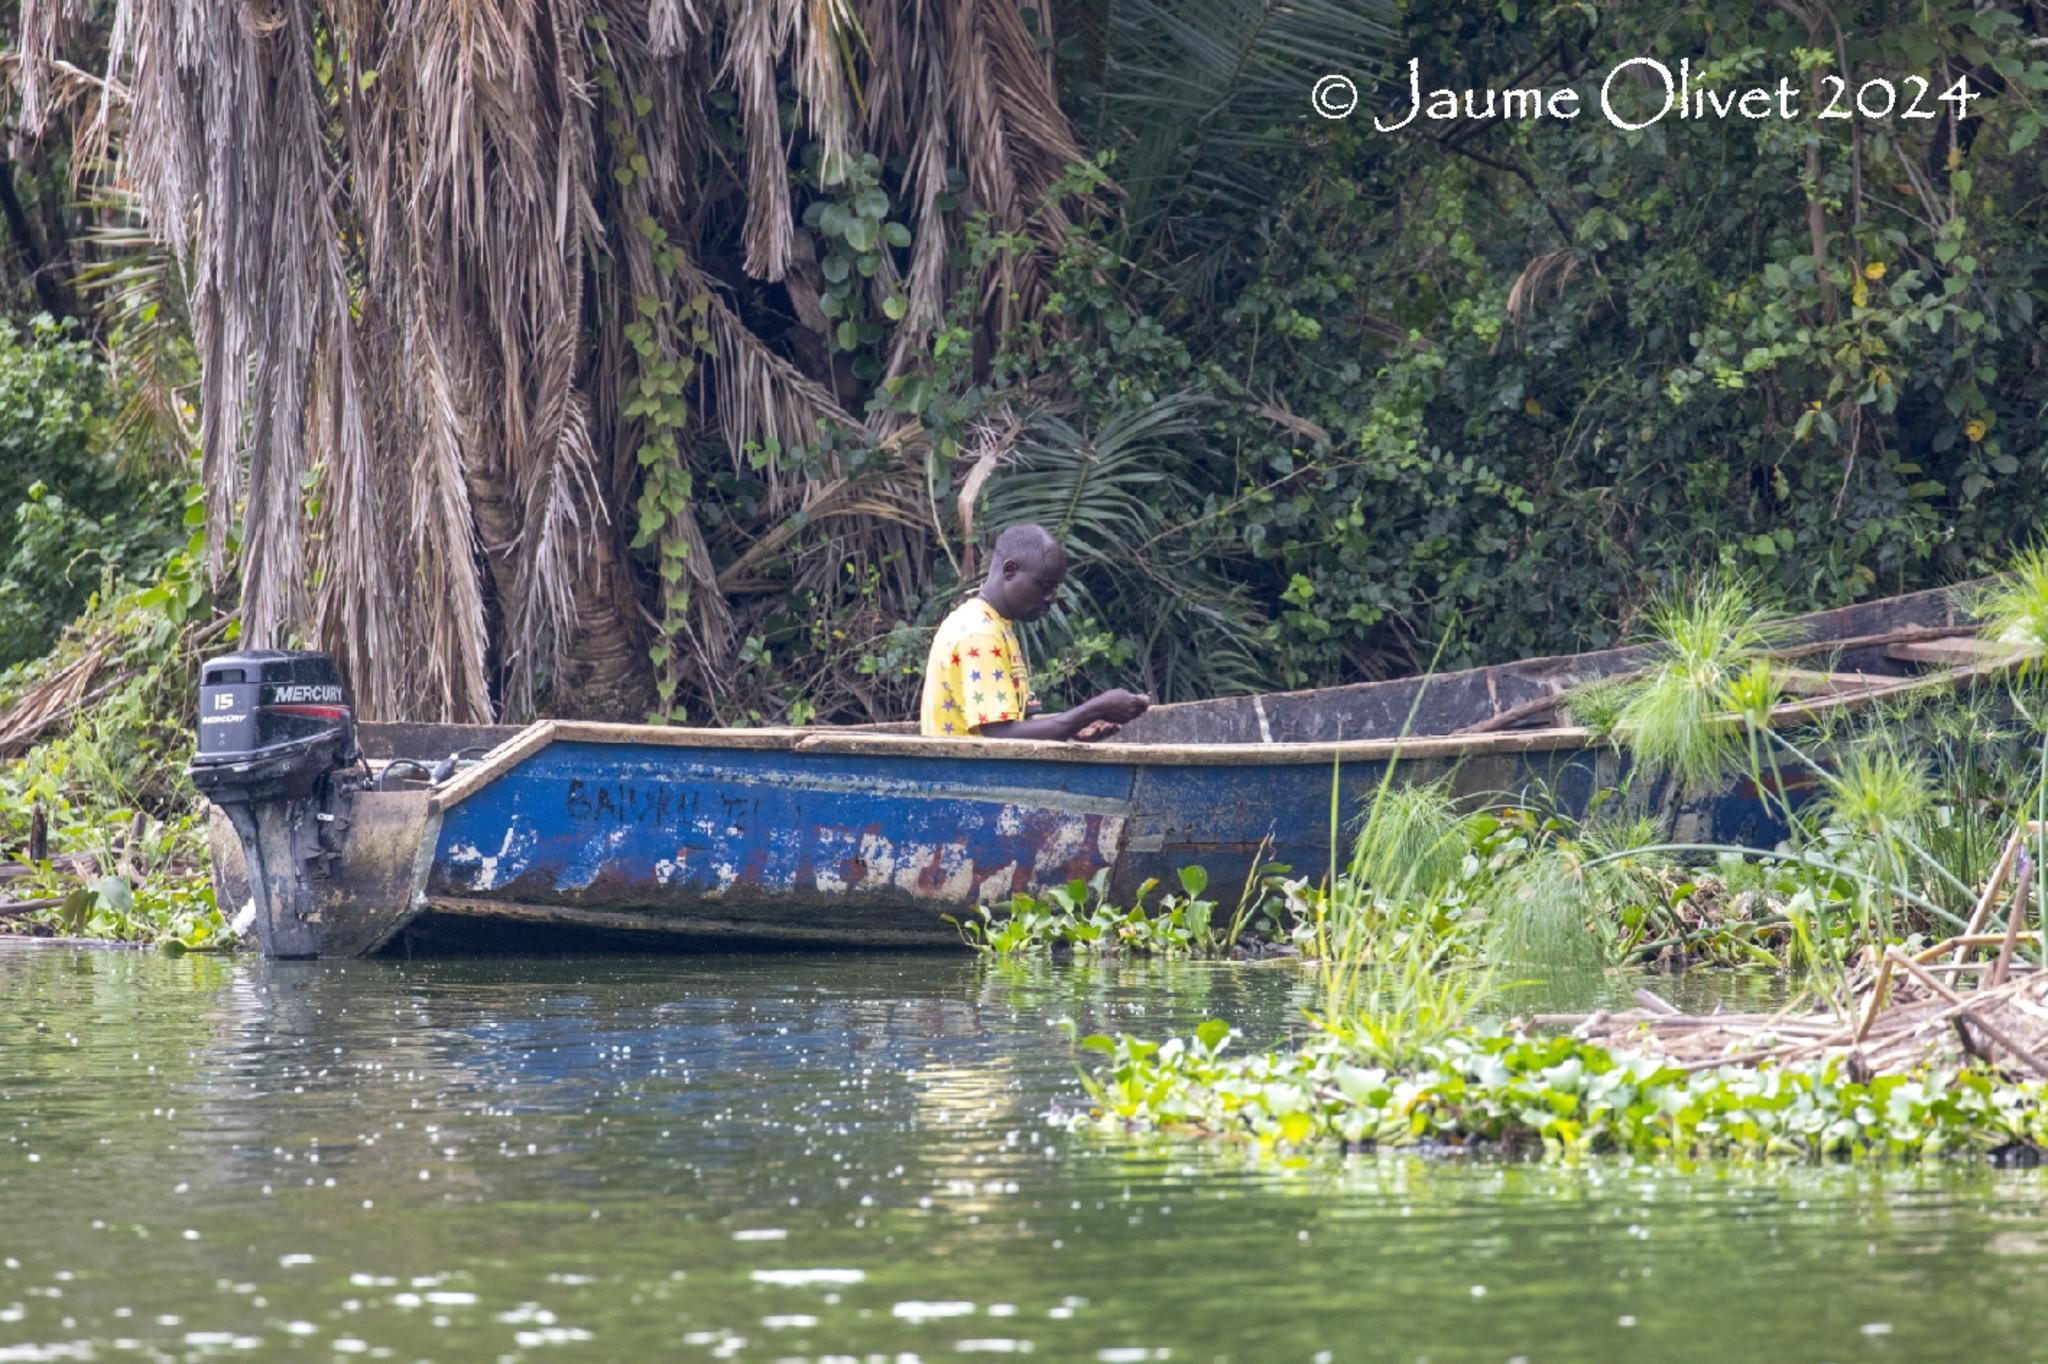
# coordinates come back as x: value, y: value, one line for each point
x: 411, y: 237
x: 760, y: 36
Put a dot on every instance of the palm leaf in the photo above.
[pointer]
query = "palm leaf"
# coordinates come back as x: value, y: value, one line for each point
x: 1119, y: 502
x: 1205, y: 100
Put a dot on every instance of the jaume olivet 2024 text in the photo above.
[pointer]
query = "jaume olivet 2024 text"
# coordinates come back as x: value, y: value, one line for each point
x: 1642, y: 91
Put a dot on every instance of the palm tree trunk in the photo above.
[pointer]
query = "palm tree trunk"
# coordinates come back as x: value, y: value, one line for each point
x: 606, y: 673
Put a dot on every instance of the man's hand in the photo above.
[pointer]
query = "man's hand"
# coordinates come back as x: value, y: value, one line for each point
x: 1117, y: 706
x: 1090, y: 722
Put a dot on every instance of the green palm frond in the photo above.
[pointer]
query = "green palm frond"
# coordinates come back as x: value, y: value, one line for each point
x: 1204, y: 100
x: 1120, y: 504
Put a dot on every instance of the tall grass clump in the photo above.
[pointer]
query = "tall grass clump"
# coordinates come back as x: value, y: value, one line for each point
x: 1709, y: 643
x: 1397, y: 930
x: 1988, y: 777
x: 1875, y: 806
x: 2014, y: 609
x: 1409, y: 846
x: 1561, y: 909
x: 1537, y: 919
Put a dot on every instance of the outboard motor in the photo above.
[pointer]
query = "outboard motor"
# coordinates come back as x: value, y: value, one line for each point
x: 277, y: 753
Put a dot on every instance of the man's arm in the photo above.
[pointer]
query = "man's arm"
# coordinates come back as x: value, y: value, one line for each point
x: 1110, y: 709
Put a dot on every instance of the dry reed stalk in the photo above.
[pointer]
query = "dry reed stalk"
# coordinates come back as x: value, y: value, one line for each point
x: 2012, y: 921
x: 1971, y: 1015
x: 1997, y: 882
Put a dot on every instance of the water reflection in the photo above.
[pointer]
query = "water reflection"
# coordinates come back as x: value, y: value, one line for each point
x: 834, y: 1157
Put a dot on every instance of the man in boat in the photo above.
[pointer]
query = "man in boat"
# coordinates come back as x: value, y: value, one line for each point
x: 975, y: 682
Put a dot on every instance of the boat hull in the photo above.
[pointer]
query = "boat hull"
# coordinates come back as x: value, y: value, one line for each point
x: 632, y: 833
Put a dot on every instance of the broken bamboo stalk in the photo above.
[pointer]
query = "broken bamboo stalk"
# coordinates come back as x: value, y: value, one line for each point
x: 2012, y: 922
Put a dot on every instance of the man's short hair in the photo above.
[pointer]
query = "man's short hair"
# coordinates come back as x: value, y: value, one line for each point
x: 1026, y: 543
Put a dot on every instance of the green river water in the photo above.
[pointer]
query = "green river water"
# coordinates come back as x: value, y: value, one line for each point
x: 849, y: 1158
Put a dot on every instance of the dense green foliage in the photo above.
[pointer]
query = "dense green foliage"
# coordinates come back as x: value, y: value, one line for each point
x: 105, y: 611
x: 1502, y: 380
x: 1309, y: 399
x: 76, y: 511
x: 125, y: 852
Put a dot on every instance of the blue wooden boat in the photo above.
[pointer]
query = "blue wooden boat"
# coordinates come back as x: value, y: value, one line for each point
x: 350, y: 843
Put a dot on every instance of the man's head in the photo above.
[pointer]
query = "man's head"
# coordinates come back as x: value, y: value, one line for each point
x: 1024, y: 572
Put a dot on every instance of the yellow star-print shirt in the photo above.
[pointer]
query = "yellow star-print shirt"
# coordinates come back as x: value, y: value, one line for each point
x: 975, y: 675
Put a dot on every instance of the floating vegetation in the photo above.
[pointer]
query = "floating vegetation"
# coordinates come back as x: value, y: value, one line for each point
x: 1079, y: 917
x: 1906, y: 1061
x: 1556, y: 1097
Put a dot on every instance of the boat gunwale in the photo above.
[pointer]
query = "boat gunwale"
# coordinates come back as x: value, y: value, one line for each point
x: 544, y: 733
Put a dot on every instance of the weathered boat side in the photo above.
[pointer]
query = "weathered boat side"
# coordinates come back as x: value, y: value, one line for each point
x: 875, y: 838
x: 765, y: 842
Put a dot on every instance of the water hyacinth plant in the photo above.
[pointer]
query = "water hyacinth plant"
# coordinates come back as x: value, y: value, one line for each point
x: 1511, y: 1094
x: 1080, y: 917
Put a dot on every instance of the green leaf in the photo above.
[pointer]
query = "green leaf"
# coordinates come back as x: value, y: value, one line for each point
x: 76, y: 909
x: 1357, y: 1085
x: 114, y: 894
x: 1211, y: 1034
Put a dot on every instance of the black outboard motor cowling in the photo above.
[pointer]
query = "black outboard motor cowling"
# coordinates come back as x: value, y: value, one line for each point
x: 271, y: 719
x: 277, y: 753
